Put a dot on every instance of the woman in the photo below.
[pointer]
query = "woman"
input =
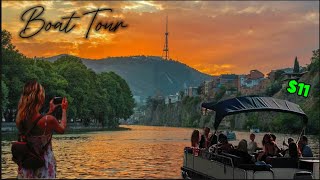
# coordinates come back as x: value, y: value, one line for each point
x: 224, y: 145
x: 31, y: 101
x: 293, y: 151
x: 195, y: 139
x: 269, y: 148
x: 242, y: 152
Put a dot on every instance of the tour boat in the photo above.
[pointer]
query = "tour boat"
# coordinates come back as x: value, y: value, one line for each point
x: 202, y: 163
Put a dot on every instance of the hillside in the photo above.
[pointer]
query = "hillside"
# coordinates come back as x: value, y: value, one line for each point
x: 148, y: 75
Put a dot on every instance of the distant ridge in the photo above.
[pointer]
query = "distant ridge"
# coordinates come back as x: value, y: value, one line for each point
x: 147, y: 75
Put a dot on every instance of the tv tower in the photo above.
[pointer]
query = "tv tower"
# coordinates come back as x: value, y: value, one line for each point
x: 165, y: 53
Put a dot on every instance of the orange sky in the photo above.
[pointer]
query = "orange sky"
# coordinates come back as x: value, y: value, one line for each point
x: 213, y: 37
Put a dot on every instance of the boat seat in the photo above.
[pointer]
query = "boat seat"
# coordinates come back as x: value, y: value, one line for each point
x: 282, y: 162
x: 235, y: 159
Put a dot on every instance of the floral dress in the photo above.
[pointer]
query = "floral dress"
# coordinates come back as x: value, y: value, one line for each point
x: 49, y: 169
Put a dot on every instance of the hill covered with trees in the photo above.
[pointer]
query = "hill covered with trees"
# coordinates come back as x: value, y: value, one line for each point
x: 148, y: 75
x: 101, y: 98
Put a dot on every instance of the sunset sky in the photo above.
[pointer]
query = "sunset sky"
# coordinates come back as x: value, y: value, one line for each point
x: 212, y: 37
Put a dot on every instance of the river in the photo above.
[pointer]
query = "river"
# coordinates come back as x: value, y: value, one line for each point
x: 142, y: 152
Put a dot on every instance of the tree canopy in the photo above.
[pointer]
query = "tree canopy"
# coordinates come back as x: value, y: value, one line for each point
x: 93, y: 98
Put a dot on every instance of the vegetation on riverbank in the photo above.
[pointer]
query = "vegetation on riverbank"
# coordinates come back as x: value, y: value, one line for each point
x: 187, y: 112
x: 12, y: 136
x: 102, y: 98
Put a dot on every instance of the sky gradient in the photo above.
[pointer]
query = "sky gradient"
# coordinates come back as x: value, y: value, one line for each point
x: 212, y: 37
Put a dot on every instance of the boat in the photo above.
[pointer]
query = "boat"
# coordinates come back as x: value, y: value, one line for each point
x: 207, y: 164
x: 254, y: 130
x: 230, y: 135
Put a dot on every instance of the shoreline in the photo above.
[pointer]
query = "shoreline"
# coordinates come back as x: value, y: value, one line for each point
x: 222, y: 129
x: 12, y: 135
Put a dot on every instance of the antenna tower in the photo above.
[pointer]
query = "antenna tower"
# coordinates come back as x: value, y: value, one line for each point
x: 165, y: 53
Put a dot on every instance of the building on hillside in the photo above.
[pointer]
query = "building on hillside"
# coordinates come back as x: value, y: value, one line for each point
x: 291, y: 76
x: 286, y: 71
x: 251, y: 83
x: 230, y: 81
x: 191, y: 91
x: 208, y: 85
x: 207, y: 88
x: 255, y: 90
x: 255, y: 74
x: 172, y: 98
x: 241, y: 80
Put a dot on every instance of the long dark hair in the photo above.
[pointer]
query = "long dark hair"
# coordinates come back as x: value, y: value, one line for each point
x: 31, y: 100
x: 294, y: 151
x: 195, y: 137
x: 268, y: 136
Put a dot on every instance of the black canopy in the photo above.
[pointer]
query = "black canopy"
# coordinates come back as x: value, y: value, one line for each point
x: 250, y: 104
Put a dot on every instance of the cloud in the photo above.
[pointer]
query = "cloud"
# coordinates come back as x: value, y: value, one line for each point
x: 213, y: 37
x: 214, y: 69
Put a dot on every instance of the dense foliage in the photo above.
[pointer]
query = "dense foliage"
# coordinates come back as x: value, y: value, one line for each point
x: 93, y: 98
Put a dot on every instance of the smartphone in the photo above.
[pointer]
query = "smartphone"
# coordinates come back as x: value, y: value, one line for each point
x: 58, y: 110
x: 57, y: 100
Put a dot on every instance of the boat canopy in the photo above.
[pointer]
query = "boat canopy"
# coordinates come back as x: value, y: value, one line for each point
x: 251, y: 104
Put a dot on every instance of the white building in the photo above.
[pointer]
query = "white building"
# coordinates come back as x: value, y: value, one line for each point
x: 171, y: 99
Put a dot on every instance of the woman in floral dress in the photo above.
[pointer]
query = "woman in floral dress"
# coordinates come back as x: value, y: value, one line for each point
x: 40, y: 136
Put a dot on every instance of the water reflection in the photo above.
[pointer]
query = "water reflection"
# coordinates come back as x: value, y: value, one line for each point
x: 143, y: 152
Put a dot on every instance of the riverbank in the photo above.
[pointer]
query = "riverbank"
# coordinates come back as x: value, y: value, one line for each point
x: 12, y: 136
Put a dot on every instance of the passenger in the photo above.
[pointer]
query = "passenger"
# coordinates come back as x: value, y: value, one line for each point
x: 274, y: 137
x: 195, y: 138
x: 205, y: 139
x: 286, y: 151
x: 290, y: 140
x: 269, y: 148
x: 224, y: 145
x: 304, y: 147
x: 293, y: 151
x: 213, y: 139
x: 242, y: 152
x: 252, y: 146
x: 275, y: 142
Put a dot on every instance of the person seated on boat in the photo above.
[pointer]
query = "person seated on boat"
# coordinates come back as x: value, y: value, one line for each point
x: 205, y: 139
x: 304, y: 147
x: 213, y: 139
x: 252, y: 145
x: 242, y: 152
x: 290, y: 140
x: 269, y: 148
x: 224, y: 145
x: 285, y: 151
x: 274, y: 137
x: 293, y: 151
x: 195, y: 139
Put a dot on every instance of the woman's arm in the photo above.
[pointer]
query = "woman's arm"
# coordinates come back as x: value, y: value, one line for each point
x: 60, y: 128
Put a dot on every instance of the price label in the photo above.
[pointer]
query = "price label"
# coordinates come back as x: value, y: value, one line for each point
x: 302, y: 89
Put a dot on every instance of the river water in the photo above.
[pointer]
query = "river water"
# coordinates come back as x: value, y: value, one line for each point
x: 142, y: 152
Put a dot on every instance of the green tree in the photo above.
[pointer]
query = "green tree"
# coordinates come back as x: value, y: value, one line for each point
x: 314, y: 66
x: 296, y: 67
x: 4, y: 96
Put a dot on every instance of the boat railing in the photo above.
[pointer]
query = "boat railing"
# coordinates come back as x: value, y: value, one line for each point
x: 205, y: 154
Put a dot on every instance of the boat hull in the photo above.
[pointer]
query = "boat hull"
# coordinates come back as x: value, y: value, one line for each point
x: 195, y: 167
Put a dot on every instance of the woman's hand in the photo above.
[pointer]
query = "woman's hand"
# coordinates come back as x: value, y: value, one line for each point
x: 64, y: 104
x: 52, y: 107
